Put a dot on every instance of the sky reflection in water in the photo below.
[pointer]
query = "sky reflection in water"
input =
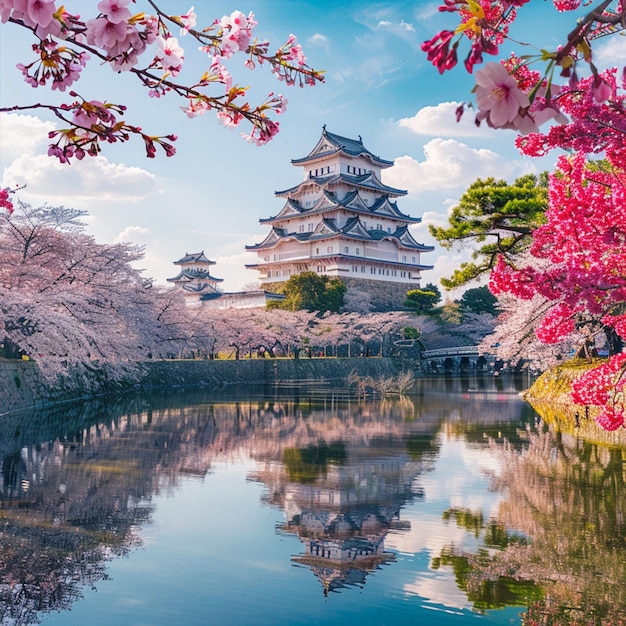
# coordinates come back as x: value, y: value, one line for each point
x: 448, y: 506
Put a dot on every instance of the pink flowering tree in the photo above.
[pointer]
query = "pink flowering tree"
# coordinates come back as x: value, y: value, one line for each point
x: 572, y: 279
x: 67, y: 301
x: 137, y: 37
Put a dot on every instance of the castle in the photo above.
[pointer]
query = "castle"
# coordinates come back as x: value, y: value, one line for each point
x: 342, y: 221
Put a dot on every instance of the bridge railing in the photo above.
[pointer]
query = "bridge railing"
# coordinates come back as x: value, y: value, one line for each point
x: 446, y: 352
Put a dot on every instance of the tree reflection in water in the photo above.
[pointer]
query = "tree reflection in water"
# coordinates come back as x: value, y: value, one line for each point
x: 560, y: 534
x: 77, y: 484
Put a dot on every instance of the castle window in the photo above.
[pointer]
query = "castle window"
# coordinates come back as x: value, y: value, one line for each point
x: 357, y: 251
x: 310, y: 228
x: 413, y: 259
x: 363, y: 270
x: 329, y: 250
x: 317, y: 250
x: 301, y: 228
x: 404, y: 258
x: 346, y: 250
x: 388, y: 229
x: 379, y: 227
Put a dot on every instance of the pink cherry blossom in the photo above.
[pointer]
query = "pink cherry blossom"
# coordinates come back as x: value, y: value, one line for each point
x: 498, y: 95
x: 105, y: 34
x: 237, y: 30
x: 188, y: 21
x: 566, y: 5
x: 120, y: 38
x: 5, y: 203
x: 170, y: 54
x: 40, y: 11
x: 116, y: 11
x: 602, y: 90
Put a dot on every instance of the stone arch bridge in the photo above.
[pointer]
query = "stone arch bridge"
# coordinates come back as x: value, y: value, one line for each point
x: 457, y: 359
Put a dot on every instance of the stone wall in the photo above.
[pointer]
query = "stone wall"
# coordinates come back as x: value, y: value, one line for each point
x: 22, y: 385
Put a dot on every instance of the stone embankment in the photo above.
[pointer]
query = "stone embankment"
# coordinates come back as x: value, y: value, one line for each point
x: 22, y: 385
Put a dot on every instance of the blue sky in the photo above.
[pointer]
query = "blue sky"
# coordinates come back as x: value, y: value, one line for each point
x: 211, y: 195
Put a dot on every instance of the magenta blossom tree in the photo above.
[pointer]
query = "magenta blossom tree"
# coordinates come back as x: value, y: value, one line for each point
x: 573, y: 278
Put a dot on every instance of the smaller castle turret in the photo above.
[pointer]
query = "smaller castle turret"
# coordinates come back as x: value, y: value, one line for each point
x: 194, y: 277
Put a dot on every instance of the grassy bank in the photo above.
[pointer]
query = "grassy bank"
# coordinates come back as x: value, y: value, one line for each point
x: 550, y: 397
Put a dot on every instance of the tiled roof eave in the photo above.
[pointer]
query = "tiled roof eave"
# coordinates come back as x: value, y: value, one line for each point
x: 340, y: 255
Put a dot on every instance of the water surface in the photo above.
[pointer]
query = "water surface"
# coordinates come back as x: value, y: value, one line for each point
x: 297, y: 505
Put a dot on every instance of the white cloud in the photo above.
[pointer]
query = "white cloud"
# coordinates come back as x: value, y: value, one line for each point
x: 400, y: 27
x: 612, y: 53
x: 22, y: 134
x: 318, y: 40
x: 425, y: 11
x: 134, y: 234
x: 448, y: 164
x: 232, y: 269
x: 439, y: 588
x: 440, y: 121
x: 24, y: 147
x: 90, y: 180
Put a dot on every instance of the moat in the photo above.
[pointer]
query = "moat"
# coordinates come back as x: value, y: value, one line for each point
x: 297, y: 504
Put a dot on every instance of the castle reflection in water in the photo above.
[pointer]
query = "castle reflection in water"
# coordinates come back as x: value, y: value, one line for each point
x: 77, y: 482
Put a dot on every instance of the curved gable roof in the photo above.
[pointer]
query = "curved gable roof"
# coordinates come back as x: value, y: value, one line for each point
x: 194, y: 257
x: 365, y: 181
x: 383, y: 206
x: 406, y: 239
x: 291, y: 208
x: 330, y: 143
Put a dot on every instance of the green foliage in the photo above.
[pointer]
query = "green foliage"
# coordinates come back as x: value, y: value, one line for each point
x: 306, y: 465
x: 499, y: 217
x: 451, y: 313
x: 479, y: 300
x: 423, y: 300
x: 420, y: 447
x: 312, y: 292
x: 411, y: 333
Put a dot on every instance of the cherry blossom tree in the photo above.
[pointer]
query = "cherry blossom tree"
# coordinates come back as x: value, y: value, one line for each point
x: 66, y: 300
x: 145, y: 44
x: 576, y: 274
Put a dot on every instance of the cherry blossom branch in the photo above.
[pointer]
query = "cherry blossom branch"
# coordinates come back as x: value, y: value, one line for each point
x: 115, y: 36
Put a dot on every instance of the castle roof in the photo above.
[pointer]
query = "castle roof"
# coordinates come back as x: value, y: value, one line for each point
x: 367, y: 181
x: 352, y: 229
x: 352, y: 202
x: 194, y: 257
x: 330, y: 143
x: 187, y: 275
